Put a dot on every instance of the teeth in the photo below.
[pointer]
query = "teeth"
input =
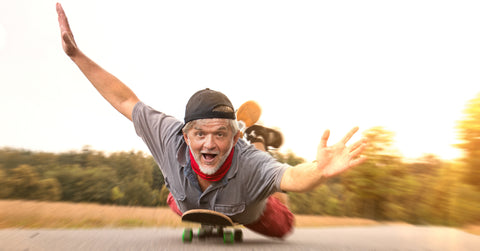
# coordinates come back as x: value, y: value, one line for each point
x: 209, y: 156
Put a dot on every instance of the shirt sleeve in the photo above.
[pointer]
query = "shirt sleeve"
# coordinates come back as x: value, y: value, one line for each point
x: 156, y: 129
x: 265, y: 175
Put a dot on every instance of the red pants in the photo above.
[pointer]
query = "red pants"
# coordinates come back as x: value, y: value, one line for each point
x: 276, y: 220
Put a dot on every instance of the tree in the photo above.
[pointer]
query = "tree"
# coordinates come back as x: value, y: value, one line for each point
x: 163, y: 196
x: 48, y: 189
x: 132, y: 165
x: 139, y: 193
x: 23, y: 182
x: 6, y: 189
x: 12, y: 158
x: 469, y: 133
x: 95, y: 184
x: 117, y: 195
x: 68, y: 176
x: 372, y: 184
x: 157, y: 176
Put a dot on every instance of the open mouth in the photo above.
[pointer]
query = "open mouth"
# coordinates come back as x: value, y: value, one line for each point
x: 209, y: 156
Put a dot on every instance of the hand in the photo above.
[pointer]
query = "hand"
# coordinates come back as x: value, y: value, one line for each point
x: 337, y: 158
x: 68, y: 43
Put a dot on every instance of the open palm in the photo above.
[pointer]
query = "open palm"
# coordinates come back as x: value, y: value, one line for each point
x: 335, y: 159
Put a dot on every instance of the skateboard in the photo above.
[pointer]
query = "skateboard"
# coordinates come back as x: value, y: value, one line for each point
x: 247, y: 115
x: 213, y: 225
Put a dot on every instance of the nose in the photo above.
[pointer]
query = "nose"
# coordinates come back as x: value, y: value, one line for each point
x: 209, y: 142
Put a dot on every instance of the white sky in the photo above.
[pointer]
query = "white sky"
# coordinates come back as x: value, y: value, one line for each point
x: 409, y: 66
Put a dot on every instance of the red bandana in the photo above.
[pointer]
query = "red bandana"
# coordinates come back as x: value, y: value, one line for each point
x: 216, y: 176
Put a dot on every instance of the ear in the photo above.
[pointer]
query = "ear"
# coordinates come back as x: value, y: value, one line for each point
x: 185, y: 137
x: 236, y: 137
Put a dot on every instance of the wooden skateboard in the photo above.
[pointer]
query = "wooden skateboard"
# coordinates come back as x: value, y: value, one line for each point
x: 213, y: 225
x: 247, y: 115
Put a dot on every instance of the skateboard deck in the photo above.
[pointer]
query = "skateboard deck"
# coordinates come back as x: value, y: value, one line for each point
x: 213, y: 224
x: 207, y: 217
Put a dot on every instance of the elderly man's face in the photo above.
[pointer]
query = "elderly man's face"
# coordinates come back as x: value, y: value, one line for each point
x: 210, y: 141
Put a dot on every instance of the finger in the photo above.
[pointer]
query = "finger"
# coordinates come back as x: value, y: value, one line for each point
x: 355, y: 145
x: 325, y: 136
x: 357, y: 161
x: 349, y: 135
x: 62, y: 18
x: 358, y: 150
x: 59, y: 8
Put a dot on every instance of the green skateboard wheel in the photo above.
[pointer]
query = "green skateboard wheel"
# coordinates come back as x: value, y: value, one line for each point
x: 187, y: 235
x: 228, y: 237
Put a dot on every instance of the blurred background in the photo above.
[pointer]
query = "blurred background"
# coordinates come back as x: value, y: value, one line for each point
x: 405, y: 72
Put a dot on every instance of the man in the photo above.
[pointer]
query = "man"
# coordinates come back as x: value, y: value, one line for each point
x: 204, y: 161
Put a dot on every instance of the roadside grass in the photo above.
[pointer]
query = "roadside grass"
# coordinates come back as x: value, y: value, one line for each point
x: 41, y: 214
x: 473, y: 229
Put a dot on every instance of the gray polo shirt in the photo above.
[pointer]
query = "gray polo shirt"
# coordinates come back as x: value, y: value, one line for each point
x: 253, y: 176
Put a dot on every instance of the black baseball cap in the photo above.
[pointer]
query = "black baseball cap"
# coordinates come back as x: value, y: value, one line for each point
x: 202, y: 104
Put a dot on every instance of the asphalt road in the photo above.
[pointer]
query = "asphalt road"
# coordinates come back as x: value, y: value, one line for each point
x: 334, y: 238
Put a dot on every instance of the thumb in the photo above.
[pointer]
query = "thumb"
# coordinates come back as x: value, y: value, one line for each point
x: 69, y: 44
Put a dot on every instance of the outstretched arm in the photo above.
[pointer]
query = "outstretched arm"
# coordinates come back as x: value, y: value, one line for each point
x: 110, y: 87
x: 331, y: 161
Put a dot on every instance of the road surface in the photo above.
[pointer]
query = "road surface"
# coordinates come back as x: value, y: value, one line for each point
x: 333, y: 238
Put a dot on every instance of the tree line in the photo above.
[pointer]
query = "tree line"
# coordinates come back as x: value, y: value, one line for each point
x: 387, y: 187
x: 122, y: 178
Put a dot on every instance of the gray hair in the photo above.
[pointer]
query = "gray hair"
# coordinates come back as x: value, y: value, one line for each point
x: 221, y: 108
x: 233, y: 125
